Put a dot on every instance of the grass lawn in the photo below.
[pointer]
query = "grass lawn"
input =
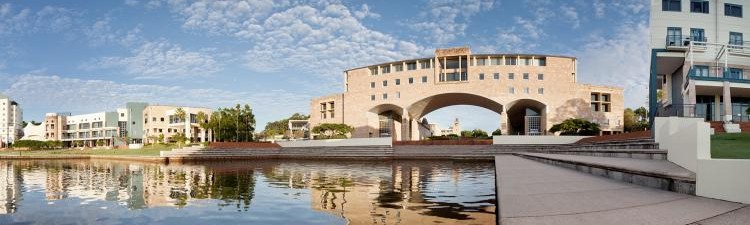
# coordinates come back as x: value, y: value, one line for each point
x: 730, y: 146
x: 149, y: 150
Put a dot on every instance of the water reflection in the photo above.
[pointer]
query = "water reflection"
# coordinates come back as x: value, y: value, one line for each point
x: 266, y: 192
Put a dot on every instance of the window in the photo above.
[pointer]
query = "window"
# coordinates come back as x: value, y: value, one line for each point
x: 732, y: 10
x: 671, y: 5
x: 511, y: 90
x: 699, y: 6
x: 386, y: 69
x: 385, y: 83
x: 411, y: 80
x: 323, y: 115
x: 481, y: 62
x: 510, y: 76
x: 122, y: 114
x: 398, y: 94
x: 542, y: 62
x: 496, y: 76
x: 525, y: 76
x: 605, y: 97
x: 424, y: 79
x: 540, y: 91
x: 510, y: 61
x: 374, y: 71
x: 526, y: 90
x: 496, y: 61
x: 162, y: 119
x: 674, y: 36
x: 385, y: 96
x: 606, y: 107
x: 372, y: 97
x: 425, y: 65
x: 411, y: 66
x: 540, y: 76
x: 594, y: 97
x: 595, y: 107
x: 372, y: 84
x: 735, y: 73
x: 700, y: 71
x: 735, y: 38
x: 481, y: 76
x: 398, y: 81
x: 399, y: 67
x: 697, y: 34
x: 153, y: 119
x: 526, y: 61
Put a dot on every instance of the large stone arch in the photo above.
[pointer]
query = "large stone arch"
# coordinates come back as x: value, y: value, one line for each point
x: 393, y: 116
x: 517, y: 113
x: 417, y: 110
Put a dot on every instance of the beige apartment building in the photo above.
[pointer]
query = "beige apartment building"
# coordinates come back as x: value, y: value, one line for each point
x: 530, y: 93
x: 161, y: 119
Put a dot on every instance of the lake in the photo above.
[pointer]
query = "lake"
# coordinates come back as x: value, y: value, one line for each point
x: 247, y: 192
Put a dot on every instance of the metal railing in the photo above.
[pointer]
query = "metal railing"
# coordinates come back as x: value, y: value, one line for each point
x: 679, y: 110
x: 684, y: 40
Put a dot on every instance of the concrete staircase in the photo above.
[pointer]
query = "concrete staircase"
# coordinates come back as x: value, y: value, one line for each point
x: 637, y: 161
x: 200, y: 153
x: 718, y: 127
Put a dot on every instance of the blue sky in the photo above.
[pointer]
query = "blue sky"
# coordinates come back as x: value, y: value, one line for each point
x: 89, y: 56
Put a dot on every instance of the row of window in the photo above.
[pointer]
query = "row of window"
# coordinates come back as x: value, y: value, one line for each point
x: 511, y: 76
x: 701, y: 6
x: 169, y: 130
x: 398, y: 81
x: 449, y: 77
x: 511, y: 90
x: 399, y: 67
x: 455, y: 63
x: 733, y: 73
x: 674, y: 36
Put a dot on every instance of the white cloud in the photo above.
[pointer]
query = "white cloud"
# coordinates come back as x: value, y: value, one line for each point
x: 33, y: 91
x: 102, y: 33
x: 365, y: 12
x: 571, y: 15
x: 160, y: 60
x: 621, y: 60
x: 599, y: 8
x: 26, y: 21
x: 444, y: 21
x: 324, y: 39
x: 131, y: 2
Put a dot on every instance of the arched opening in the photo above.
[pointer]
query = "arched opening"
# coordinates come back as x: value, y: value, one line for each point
x: 386, y: 121
x: 418, y: 110
x: 527, y: 117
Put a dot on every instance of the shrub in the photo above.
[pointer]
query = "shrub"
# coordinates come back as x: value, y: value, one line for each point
x: 576, y: 127
x: 34, y: 145
x: 332, y: 130
x: 497, y: 132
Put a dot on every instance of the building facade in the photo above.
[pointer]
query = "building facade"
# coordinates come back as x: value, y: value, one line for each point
x: 161, y: 120
x: 530, y: 93
x: 54, y: 124
x: 11, y: 121
x: 91, y: 130
x: 700, y: 59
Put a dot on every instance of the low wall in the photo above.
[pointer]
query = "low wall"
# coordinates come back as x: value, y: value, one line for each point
x: 446, y: 142
x: 683, y: 138
x: 725, y: 179
x: 243, y: 145
x: 536, y: 140
x: 338, y: 142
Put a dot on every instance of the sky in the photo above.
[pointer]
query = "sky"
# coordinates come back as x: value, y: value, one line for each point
x: 92, y: 56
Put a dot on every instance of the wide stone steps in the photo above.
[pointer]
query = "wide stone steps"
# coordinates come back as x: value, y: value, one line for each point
x: 659, y: 174
x: 311, y: 152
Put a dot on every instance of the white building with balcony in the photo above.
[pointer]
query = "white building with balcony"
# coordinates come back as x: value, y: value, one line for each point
x: 91, y: 130
x: 700, y: 62
x: 11, y: 121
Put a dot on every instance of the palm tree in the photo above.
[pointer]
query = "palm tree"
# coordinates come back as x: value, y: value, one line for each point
x: 203, y: 121
x: 180, y: 114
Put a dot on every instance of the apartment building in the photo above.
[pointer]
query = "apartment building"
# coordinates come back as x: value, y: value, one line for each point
x: 700, y: 59
x: 54, y: 123
x: 91, y: 130
x: 11, y: 121
x: 529, y: 93
x: 161, y: 120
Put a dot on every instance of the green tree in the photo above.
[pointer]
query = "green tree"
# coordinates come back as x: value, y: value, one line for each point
x: 233, y: 124
x: 281, y: 127
x: 179, y: 138
x: 203, y: 121
x: 641, y: 114
x: 478, y: 133
x: 630, y: 122
x: 497, y: 132
x: 576, y: 127
x: 180, y: 114
x: 160, y: 138
x: 332, y: 130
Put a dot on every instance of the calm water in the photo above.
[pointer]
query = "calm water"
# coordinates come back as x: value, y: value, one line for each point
x: 248, y: 192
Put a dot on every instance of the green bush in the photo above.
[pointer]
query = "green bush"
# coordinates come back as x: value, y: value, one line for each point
x: 332, y: 130
x: 497, y: 132
x: 34, y: 145
x: 576, y: 127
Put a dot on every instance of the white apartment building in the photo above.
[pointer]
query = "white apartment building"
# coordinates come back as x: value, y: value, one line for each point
x: 161, y: 120
x: 700, y: 64
x: 87, y: 129
x: 11, y: 121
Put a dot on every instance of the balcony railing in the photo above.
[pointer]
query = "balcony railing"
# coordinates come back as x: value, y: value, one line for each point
x: 717, y: 74
x: 684, y: 40
x: 679, y: 110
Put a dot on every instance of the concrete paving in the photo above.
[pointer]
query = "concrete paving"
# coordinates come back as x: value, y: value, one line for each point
x: 532, y: 192
x: 646, y: 165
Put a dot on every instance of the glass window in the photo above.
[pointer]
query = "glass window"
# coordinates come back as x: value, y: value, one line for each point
x: 511, y: 90
x: 481, y: 76
x: 424, y: 79
x: 386, y: 69
x: 540, y: 91
x: 398, y: 81
x: 411, y: 80
x: 542, y: 62
x: 399, y: 67
x: 595, y: 107
x: 496, y: 76
x: 606, y: 107
x: 372, y: 84
x: 697, y: 34
x: 735, y: 38
x: 700, y: 71
x: 735, y: 73
x: 525, y: 76
x: 372, y: 97
x: 510, y: 76
x: 674, y: 36
x: 425, y: 64
x: 732, y: 10
x: 398, y: 94
x: 671, y: 5
x: 510, y: 61
x: 594, y: 97
x: 496, y: 61
x: 605, y: 98
x: 526, y: 90
x: 699, y: 6
x: 411, y: 66
x: 385, y: 96
x: 385, y: 83
x: 481, y: 62
x: 374, y: 71
x: 526, y: 61
x: 540, y: 76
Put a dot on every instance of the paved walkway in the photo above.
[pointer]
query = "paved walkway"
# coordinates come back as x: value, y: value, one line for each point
x: 531, y: 192
x: 645, y: 165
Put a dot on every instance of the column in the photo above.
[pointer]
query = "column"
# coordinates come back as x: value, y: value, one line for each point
x: 717, y: 109
x: 504, y: 123
x: 727, y: 102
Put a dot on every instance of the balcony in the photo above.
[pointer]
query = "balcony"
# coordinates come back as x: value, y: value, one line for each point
x: 717, y: 74
x: 682, y: 42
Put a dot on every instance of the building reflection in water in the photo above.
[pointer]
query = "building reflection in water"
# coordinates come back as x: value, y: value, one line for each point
x: 397, y: 192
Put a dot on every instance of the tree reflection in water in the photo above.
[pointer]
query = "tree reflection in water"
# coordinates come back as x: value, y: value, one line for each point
x: 360, y: 192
